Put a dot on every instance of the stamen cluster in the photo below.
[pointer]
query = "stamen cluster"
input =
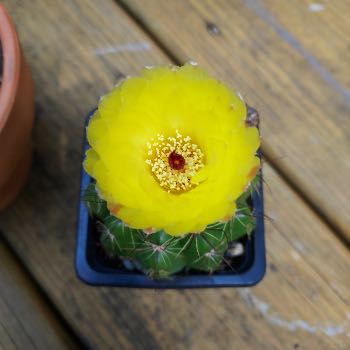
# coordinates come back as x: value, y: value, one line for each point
x: 174, y: 160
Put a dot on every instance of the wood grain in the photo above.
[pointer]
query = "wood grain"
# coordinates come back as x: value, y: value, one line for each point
x: 304, y: 109
x: 77, y: 50
x: 26, y: 322
x: 323, y: 33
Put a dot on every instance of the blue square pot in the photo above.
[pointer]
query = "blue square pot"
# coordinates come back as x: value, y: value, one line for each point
x: 248, y: 269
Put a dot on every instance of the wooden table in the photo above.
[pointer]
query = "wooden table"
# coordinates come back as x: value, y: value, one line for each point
x: 289, y: 59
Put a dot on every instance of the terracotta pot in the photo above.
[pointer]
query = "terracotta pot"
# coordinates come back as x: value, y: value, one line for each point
x: 16, y: 113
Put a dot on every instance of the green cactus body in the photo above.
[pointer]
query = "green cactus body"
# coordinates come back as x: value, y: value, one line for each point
x: 159, y: 254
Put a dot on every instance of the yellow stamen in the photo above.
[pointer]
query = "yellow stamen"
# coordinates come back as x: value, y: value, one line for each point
x: 175, y: 161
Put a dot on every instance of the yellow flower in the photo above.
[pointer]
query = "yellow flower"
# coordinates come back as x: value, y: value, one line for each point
x: 170, y: 150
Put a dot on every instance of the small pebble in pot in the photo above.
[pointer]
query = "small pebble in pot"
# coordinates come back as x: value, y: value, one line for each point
x: 252, y: 118
x: 234, y: 250
x: 128, y: 264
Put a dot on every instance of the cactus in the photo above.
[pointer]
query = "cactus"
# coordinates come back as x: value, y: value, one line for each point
x: 158, y: 254
x: 170, y: 151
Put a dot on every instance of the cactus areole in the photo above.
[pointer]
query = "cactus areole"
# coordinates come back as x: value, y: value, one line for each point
x: 174, y: 163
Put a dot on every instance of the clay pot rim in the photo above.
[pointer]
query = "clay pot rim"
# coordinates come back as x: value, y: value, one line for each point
x: 11, y: 65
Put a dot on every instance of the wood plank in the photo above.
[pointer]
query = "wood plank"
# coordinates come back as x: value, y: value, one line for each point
x: 321, y: 30
x: 304, y: 112
x: 26, y: 322
x: 300, y: 304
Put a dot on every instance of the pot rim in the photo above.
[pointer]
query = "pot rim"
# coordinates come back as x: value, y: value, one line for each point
x: 11, y: 65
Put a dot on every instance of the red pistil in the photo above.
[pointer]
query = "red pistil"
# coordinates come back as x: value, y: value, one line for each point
x: 176, y: 161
